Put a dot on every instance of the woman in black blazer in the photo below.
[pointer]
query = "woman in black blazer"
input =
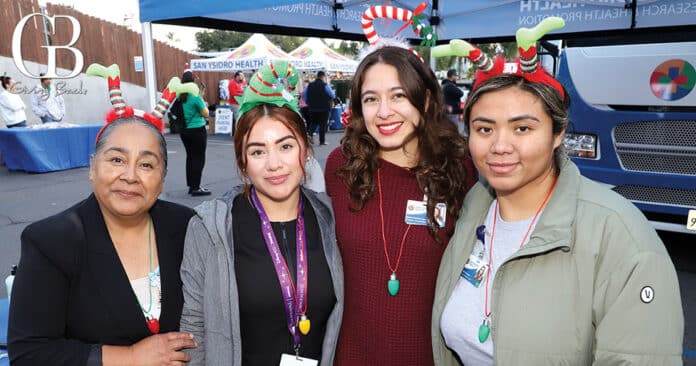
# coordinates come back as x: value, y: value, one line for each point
x: 99, y: 283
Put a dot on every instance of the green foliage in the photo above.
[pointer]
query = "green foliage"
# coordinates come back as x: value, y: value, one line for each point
x: 348, y: 48
x: 286, y: 43
x: 220, y: 40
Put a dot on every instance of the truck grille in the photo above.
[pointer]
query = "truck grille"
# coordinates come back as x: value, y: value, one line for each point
x: 657, y: 146
x: 669, y: 196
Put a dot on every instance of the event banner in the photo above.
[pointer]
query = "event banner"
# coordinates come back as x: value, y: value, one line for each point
x: 473, y: 19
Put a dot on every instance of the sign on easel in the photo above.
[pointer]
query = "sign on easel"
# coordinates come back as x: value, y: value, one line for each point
x: 223, y: 120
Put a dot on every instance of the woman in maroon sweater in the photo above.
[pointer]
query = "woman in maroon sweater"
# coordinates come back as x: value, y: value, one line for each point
x: 398, y: 146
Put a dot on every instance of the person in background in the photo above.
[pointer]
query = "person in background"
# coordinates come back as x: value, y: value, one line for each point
x: 453, y: 97
x: 46, y: 103
x: 319, y: 98
x: 304, y: 108
x: 263, y: 279
x: 235, y: 89
x: 341, y: 86
x: 194, y: 136
x: 98, y: 284
x: 11, y: 105
x: 400, y: 157
x: 574, y: 273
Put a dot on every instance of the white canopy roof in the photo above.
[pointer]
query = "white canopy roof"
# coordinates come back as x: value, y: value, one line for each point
x: 313, y: 54
x: 256, y: 51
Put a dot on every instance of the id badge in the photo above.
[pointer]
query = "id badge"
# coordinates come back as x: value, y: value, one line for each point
x: 417, y: 213
x: 292, y: 360
x: 475, y: 270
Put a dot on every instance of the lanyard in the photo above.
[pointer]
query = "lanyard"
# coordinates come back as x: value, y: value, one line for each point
x: 295, y: 301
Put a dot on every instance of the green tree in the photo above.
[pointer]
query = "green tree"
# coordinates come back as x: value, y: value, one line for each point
x: 349, y: 48
x: 171, y: 38
x: 286, y: 43
x: 220, y: 40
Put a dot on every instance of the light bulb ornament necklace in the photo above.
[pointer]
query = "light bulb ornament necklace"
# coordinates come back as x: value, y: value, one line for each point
x: 393, y: 283
x: 485, y: 327
x: 152, y: 323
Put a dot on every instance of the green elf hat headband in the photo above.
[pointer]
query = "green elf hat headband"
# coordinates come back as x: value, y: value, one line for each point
x: 528, y: 63
x: 268, y: 86
x: 121, y: 110
x: 413, y: 18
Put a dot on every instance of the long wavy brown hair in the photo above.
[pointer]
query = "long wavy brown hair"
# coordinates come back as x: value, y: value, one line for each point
x: 440, y: 170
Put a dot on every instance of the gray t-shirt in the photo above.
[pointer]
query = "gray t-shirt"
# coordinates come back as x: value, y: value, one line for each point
x: 464, y: 311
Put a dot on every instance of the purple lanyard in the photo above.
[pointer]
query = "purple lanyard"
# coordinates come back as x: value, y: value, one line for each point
x: 295, y: 301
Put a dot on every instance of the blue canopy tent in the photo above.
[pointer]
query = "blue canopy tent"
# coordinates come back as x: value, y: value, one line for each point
x: 616, y: 21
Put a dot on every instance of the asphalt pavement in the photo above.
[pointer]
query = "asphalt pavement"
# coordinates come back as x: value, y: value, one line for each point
x: 26, y: 197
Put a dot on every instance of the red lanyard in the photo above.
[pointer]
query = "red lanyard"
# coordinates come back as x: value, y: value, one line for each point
x: 486, y: 312
x: 384, y: 238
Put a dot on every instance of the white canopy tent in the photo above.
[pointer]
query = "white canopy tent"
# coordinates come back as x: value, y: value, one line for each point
x: 256, y: 51
x: 314, y: 54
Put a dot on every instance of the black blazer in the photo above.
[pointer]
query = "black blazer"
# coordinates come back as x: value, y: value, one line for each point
x: 71, y: 291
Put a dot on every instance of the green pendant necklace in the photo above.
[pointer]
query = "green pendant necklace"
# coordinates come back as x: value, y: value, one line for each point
x: 393, y: 283
x: 152, y: 322
x: 485, y: 327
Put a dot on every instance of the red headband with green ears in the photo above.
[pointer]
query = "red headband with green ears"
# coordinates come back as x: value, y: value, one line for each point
x: 528, y: 63
x: 121, y: 110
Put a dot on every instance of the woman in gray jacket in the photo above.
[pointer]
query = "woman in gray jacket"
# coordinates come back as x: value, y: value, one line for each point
x: 547, y: 267
x: 262, y: 277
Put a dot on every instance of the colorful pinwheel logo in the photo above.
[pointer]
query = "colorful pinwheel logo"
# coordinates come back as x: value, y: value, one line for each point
x: 331, y: 54
x: 673, y: 79
x: 304, y: 52
x: 274, y: 51
x: 242, y: 52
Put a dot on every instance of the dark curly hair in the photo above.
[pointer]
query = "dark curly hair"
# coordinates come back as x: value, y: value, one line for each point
x: 442, y: 151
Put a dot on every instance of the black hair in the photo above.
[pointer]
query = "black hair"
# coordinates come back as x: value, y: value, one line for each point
x: 43, y: 79
x: 187, y: 77
x: 451, y: 72
x: 321, y: 74
x: 5, y: 81
x: 104, y: 136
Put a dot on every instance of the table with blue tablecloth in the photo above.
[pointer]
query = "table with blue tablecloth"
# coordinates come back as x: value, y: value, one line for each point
x: 46, y: 150
x: 335, y: 118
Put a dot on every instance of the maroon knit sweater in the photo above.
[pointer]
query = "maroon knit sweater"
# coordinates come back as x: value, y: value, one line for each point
x: 379, y: 329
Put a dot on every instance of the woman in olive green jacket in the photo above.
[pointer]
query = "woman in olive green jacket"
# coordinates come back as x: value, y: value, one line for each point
x: 573, y: 273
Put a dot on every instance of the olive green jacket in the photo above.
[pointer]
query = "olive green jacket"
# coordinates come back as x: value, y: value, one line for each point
x: 576, y: 294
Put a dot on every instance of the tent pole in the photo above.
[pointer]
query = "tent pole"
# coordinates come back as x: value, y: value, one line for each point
x: 434, y: 22
x: 149, y: 63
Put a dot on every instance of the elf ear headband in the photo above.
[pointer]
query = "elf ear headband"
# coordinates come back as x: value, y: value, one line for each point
x: 413, y: 18
x: 528, y: 64
x: 268, y: 86
x: 121, y: 110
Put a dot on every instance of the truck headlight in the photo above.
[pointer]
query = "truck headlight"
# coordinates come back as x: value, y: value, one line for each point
x: 580, y: 145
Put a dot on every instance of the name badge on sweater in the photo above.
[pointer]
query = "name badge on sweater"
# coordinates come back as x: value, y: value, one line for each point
x: 292, y: 360
x: 417, y: 213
